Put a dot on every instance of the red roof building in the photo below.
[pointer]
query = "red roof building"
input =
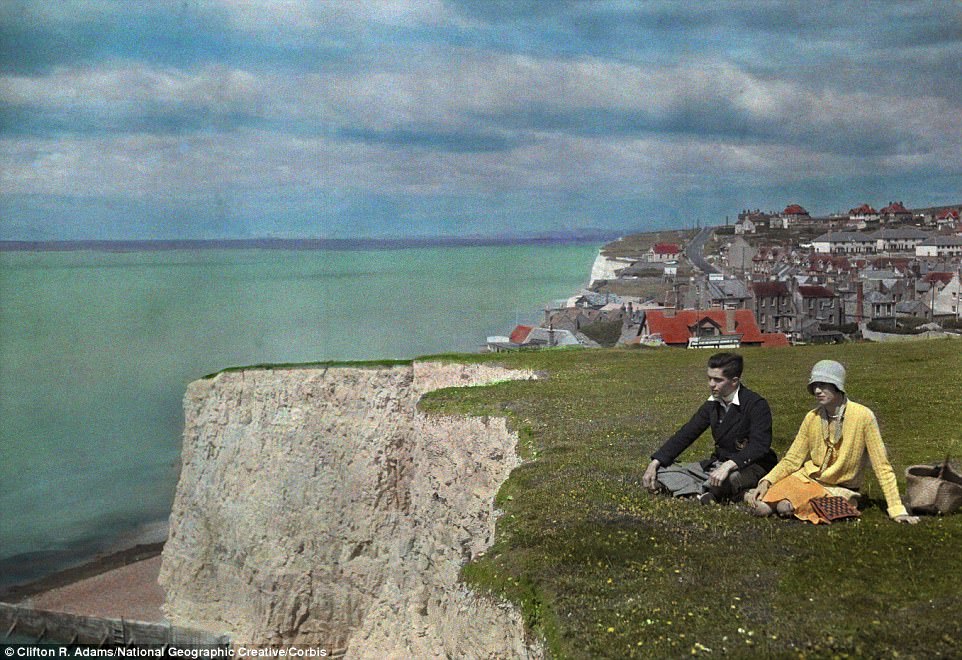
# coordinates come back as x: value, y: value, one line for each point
x: 666, y: 248
x: 520, y: 333
x: 815, y: 291
x: 895, y: 211
x: 948, y: 214
x: 770, y: 289
x: 677, y: 329
x: 944, y: 278
x: 664, y: 252
x: 862, y: 211
x: 794, y: 209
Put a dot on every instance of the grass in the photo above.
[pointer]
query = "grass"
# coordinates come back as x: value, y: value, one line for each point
x: 602, y: 569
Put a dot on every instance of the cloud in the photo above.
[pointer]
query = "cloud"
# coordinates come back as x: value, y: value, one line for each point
x: 437, y: 101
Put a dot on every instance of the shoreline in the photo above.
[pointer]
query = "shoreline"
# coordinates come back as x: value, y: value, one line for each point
x: 69, y: 576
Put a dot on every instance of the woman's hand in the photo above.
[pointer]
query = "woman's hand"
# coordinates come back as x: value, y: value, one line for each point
x: 755, y: 496
x: 906, y: 518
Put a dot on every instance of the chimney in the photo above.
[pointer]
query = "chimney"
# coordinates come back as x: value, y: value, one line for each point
x: 729, y: 321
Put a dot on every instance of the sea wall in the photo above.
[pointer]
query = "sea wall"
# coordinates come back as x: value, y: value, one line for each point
x: 320, y: 507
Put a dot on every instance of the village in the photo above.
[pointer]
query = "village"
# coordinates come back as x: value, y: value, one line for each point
x: 768, y: 279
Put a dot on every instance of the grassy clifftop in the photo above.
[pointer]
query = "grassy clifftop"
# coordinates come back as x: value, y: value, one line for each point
x: 602, y: 569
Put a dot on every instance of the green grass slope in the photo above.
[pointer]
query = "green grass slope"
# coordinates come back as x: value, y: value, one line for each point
x: 602, y: 569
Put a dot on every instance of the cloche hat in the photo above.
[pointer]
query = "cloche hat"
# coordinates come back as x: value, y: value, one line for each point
x: 827, y: 371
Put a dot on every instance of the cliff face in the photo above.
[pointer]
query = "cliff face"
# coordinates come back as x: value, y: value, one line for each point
x: 320, y: 507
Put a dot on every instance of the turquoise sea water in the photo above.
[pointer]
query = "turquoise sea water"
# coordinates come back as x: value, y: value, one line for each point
x: 96, y: 350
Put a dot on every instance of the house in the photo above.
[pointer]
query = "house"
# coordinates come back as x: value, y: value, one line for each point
x: 947, y: 219
x: 947, y: 300
x: 745, y: 226
x: 794, y: 214
x: 664, y: 252
x: 895, y: 212
x: 593, y: 299
x: 863, y: 214
x: 816, y: 303
x: 879, y: 306
x: 773, y: 306
x: 740, y: 255
x: 912, y: 308
x: 511, y: 343
x: 712, y: 328
x: 728, y: 293
x: 520, y: 333
x: 549, y: 338
x: 900, y: 239
x: 940, y: 246
x: 844, y: 242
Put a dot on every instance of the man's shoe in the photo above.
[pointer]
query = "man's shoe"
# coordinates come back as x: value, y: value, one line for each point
x: 706, y: 498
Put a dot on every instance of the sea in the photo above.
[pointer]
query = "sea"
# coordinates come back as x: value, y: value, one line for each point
x: 97, y: 348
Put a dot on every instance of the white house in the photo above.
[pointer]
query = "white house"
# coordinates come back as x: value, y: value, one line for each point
x: 900, y: 239
x: 844, y: 242
x: 947, y: 300
x: 940, y: 246
x: 745, y: 226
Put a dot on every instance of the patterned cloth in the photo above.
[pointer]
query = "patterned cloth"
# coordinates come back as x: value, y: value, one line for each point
x: 800, y: 492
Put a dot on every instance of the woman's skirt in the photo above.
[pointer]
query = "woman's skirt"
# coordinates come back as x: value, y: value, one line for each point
x: 801, y: 492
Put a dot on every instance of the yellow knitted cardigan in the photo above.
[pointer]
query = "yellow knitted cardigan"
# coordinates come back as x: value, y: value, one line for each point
x: 860, y: 436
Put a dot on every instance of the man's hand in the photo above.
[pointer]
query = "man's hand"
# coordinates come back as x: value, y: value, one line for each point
x: 755, y: 496
x: 905, y: 518
x: 650, y: 478
x: 720, y: 473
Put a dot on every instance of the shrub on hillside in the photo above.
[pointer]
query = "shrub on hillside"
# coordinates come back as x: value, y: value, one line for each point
x: 905, y: 326
x: 606, y: 333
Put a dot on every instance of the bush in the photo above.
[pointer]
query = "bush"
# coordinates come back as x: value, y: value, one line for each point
x: 606, y: 333
x: 844, y: 328
x: 905, y: 326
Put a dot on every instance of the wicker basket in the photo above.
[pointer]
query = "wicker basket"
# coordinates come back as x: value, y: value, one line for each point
x: 933, y: 488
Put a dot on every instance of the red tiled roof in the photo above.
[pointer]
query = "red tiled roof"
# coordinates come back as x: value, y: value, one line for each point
x: 666, y: 248
x: 520, y: 333
x: 774, y: 339
x: 864, y: 209
x: 815, y: 291
x: 948, y: 214
x: 894, y: 207
x: 769, y: 289
x: 945, y: 278
x: 794, y: 209
x: 677, y: 329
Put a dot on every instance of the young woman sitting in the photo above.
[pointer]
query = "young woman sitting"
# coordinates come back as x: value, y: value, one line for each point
x: 827, y: 456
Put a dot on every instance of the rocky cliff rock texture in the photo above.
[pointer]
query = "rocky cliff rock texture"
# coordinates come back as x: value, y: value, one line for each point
x: 319, y: 507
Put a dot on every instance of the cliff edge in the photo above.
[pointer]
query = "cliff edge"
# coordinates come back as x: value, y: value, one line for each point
x: 320, y: 507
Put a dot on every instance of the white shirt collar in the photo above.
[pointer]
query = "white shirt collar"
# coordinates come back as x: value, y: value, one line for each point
x: 734, y: 398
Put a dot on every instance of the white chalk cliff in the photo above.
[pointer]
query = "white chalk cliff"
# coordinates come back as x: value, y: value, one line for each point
x: 320, y: 507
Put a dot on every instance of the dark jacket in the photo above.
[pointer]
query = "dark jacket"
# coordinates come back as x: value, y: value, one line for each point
x: 743, y: 435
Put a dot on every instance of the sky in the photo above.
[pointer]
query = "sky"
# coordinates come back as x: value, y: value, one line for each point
x: 424, y: 118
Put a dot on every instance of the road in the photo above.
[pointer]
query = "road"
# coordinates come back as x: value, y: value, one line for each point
x: 696, y: 251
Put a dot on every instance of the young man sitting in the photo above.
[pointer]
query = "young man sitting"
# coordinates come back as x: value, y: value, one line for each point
x: 741, y: 425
